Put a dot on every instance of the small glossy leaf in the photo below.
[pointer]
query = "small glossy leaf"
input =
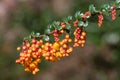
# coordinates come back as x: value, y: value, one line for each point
x: 47, y: 31
x: 80, y: 23
x: 25, y: 38
x: 92, y: 9
x: 85, y: 24
x: 118, y: 5
x: 78, y: 15
x: 37, y: 34
x: 69, y: 18
x: 105, y: 12
x: 32, y: 34
x: 68, y: 27
x: 106, y: 7
x: 65, y: 20
x: 59, y: 28
x: 50, y: 27
x: 55, y: 24
x: 117, y: 1
x: 113, y: 3
x: 29, y: 37
x: 46, y: 38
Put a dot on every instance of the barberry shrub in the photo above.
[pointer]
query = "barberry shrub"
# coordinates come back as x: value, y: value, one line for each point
x: 38, y: 45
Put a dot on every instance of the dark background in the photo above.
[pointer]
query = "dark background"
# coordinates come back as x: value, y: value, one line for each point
x: 98, y: 60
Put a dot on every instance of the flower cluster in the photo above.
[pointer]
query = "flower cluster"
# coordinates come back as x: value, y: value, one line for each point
x: 75, y: 23
x: 36, y: 45
x: 86, y: 15
x: 65, y: 49
x: 113, y: 12
x: 33, y: 50
x: 63, y: 25
x: 56, y: 35
x: 30, y: 55
x: 55, y: 51
x: 80, y: 37
x: 100, y: 19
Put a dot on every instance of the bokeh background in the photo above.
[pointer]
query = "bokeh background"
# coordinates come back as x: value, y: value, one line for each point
x: 98, y: 60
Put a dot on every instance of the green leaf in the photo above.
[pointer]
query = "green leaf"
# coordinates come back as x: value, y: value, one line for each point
x: 59, y: 28
x: 68, y: 27
x: 46, y: 38
x: 113, y: 3
x: 117, y: 1
x: 78, y: 15
x: 80, y: 23
x: 68, y: 19
x: 55, y: 24
x: 29, y: 37
x: 37, y: 34
x: 105, y: 7
x: 32, y: 34
x: 118, y: 5
x: 50, y: 27
x: 85, y: 24
x: 47, y: 31
x: 105, y: 12
x: 25, y: 38
x: 65, y: 20
x: 92, y: 9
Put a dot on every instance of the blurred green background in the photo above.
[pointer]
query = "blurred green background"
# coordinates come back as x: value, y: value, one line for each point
x: 98, y: 60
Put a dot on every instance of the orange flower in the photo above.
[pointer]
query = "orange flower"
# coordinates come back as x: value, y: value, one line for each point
x: 113, y: 12
x: 100, y: 19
